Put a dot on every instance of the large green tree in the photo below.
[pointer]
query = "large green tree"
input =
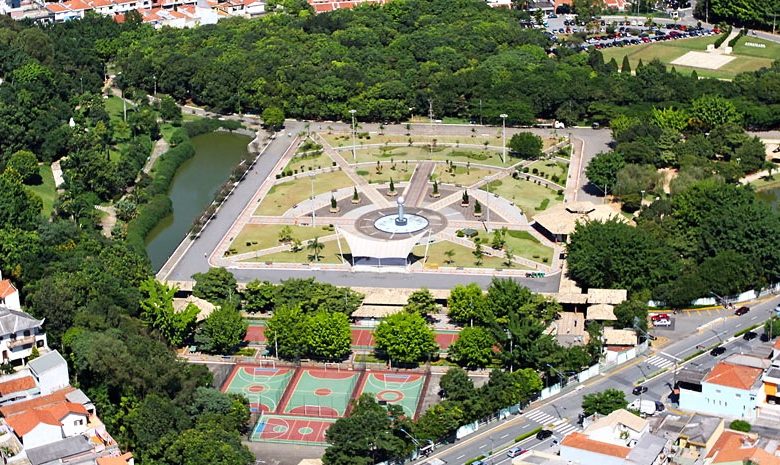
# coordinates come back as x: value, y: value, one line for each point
x: 24, y: 163
x: 258, y: 296
x: 222, y: 331
x: 525, y: 145
x: 286, y: 331
x: 216, y: 285
x: 604, y: 402
x: 328, y: 335
x: 603, y: 169
x: 421, y: 302
x: 157, y: 311
x: 467, y: 305
x: 473, y: 349
x: 405, y: 338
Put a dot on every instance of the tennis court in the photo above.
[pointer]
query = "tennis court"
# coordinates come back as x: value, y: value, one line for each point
x: 294, y: 430
x: 262, y: 386
x: 362, y: 338
x: 255, y: 333
x: 321, y: 393
x: 445, y: 339
x: 402, y: 389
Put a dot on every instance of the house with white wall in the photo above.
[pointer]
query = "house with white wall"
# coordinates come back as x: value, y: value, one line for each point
x: 9, y: 295
x: 41, y: 426
x: 50, y: 372
x: 728, y: 390
x: 19, y: 333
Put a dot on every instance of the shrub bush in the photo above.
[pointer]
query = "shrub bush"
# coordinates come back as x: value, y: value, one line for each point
x: 740, y: 425
x: 723, y: 37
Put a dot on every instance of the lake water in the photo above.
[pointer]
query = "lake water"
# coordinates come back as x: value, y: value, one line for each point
x: 193, y: 188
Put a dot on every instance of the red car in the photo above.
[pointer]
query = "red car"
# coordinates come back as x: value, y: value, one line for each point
x: 660, y: 316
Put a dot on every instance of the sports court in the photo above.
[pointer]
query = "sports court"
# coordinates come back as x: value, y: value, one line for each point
x: 255, y: 333
x: 262, y: 386
x: 445, y: 339
x: 402, y: 389
x: 321, y: 393
x: 294, y: 430
x: 362, y: 339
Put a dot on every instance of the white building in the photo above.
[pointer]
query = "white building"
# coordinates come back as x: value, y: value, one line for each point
x: 728, y: 390
x: 19, y: 333
x: 45, y: 425
x: 50, y: 372
x: 9, y: 296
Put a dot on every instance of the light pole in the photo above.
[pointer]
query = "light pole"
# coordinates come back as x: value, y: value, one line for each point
x: 354, y: 154
x: 411, y: 114
x: 313, y: 215
x: 81, y: 81
x: 511, y: 350
x: 503, y: 137
x: 642, y: 199
x: 155, y: 85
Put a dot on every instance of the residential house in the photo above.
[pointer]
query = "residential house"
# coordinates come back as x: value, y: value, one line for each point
x: 9, y: 296
x: 619, y: 438
x: 693, y: 436
x: 17, y: 386
x: 45, y: 425
x: 499, y: 3
x: 19, y: 333
x: 324, y: 6
x: 123, y: 459
x: 50, y: 372
x: 728, y: 390
x: 617, y: 341
x: 769, y: 398
x: 735, y: 448
x: 569, y: 329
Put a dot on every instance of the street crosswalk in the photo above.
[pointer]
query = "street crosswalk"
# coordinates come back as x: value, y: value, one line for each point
x: 560, y: 426
x: 660, y: 361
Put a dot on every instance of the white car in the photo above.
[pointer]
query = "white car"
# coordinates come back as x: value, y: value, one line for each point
x: 662, y: 322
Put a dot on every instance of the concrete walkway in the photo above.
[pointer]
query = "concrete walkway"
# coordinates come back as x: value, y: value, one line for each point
x: 418, y: 185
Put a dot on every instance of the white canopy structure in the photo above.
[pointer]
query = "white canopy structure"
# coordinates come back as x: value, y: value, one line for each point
x: 374, y: 251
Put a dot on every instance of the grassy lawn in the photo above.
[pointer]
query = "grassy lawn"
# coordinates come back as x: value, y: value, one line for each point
x: 45, y: 190
x: 771, y: 49
x: 329, y: 254
x: 345, y: 139
x: 747, y: 58
x: 464, y: 256
x: 523, y: 244
x: 263, y: 236
x: 115, y: 109
x: 401, y: 173
x: 442, y: 153
x: 308, y: 163
x: 528, y: 196
x: 550, y: 168
x: 461, y: 176
x: 283, y: 196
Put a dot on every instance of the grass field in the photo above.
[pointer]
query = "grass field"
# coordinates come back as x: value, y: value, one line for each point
x: 550, y: 168
x: 309, y: 163
x: 461, y: 176
x: 523, y: 244
x: 747, y: 58
x: 266, y: 236
x: 45, y: 190
x: 329, y: 254
x: 770, y: 51
x: 401, y: 173
x: 464, y: 256
x: 528, y: 196
x: 442, y: 153
x: 284, y: 196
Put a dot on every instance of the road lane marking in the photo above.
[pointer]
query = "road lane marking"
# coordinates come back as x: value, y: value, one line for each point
x: 502, y: 437
x: 460, y: 457
x: 483, y: 446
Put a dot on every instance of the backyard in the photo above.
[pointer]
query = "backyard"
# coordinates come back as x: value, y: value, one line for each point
x: 531, y: 198
x: 284, y: 196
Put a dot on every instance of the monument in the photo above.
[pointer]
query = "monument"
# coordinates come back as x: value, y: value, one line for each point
x: 401, y: 222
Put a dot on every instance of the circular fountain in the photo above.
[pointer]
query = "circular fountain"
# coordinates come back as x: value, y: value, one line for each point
x: 401, y: 222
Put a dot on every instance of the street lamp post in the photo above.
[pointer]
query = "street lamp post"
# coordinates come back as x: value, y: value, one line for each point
x: 503, y: 137
x: 155, y: 85
x: 511, y: 350
x: 354, y: 154
x: 313, y: 215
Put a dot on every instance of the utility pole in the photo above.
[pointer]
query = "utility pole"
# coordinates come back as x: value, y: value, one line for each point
x: 313, y: 215
x: 503, y: 137
x: 430, y: 115
x: 354, y: 154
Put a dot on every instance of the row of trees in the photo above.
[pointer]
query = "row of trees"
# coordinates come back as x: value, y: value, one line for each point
x: 473, y: 62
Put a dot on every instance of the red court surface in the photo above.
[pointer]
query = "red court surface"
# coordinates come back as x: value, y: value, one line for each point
x: 362, y: 338
x: 255, y: 333
x: 445, y: 340
x: 294, y: 430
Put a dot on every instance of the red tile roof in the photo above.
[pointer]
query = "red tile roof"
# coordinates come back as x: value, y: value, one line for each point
x: 16, y: 385
x: 738, y: 447
x: 35, y: 403
x: 6, y: 288
x: 27, y: 421
x: 583, y: 442
x: 735, y: 376
x: 120, y: 460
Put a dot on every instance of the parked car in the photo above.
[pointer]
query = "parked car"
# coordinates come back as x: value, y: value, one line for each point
x: 515, y: 451
x: 742, y: 310
x: 543, y: 434
x: 764, y: 337
x: 659, y: 406
x: 662, y: 323
x: 660, y: 316
x: 749, y: 336
x: 718, y: 351
x: 639, y: 390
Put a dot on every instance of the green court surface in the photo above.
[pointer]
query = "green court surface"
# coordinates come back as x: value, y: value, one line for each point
x: 262, y: 386
x: 402, y: 389
x: 321, y: 393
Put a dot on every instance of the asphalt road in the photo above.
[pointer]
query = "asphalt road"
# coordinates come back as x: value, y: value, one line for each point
x: 194, y: 259
x: 562, y: 410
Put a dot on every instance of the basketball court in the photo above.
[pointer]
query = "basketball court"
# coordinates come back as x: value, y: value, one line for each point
x: 294, y: 430
x: 262, y: 386
x: 321, y: 393
x: 404, y: 389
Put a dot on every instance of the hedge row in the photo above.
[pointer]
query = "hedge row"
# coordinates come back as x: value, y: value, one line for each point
x: 723, y: 37
x: 733, y: 41
x: 202, y: 126
x: 527, y: 435
x: 149, y: 214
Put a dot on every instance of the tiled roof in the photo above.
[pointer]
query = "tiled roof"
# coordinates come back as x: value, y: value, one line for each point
x: 27, y: 421
x: 738, y: 447
x: 580, y: 441
x: 16, y: 385
x: 735, y: 376
x: 13, y: 321
x: 6, y: 288
x: 37, y: 402
x: 112, y: 460
x: 619, y: 416
x: 63, y: 409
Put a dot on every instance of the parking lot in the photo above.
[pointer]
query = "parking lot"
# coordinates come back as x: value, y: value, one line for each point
x: 625, y: 33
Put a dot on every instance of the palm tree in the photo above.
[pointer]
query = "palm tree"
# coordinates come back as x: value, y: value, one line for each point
x: 316, y: 247
x: 449, y: 254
